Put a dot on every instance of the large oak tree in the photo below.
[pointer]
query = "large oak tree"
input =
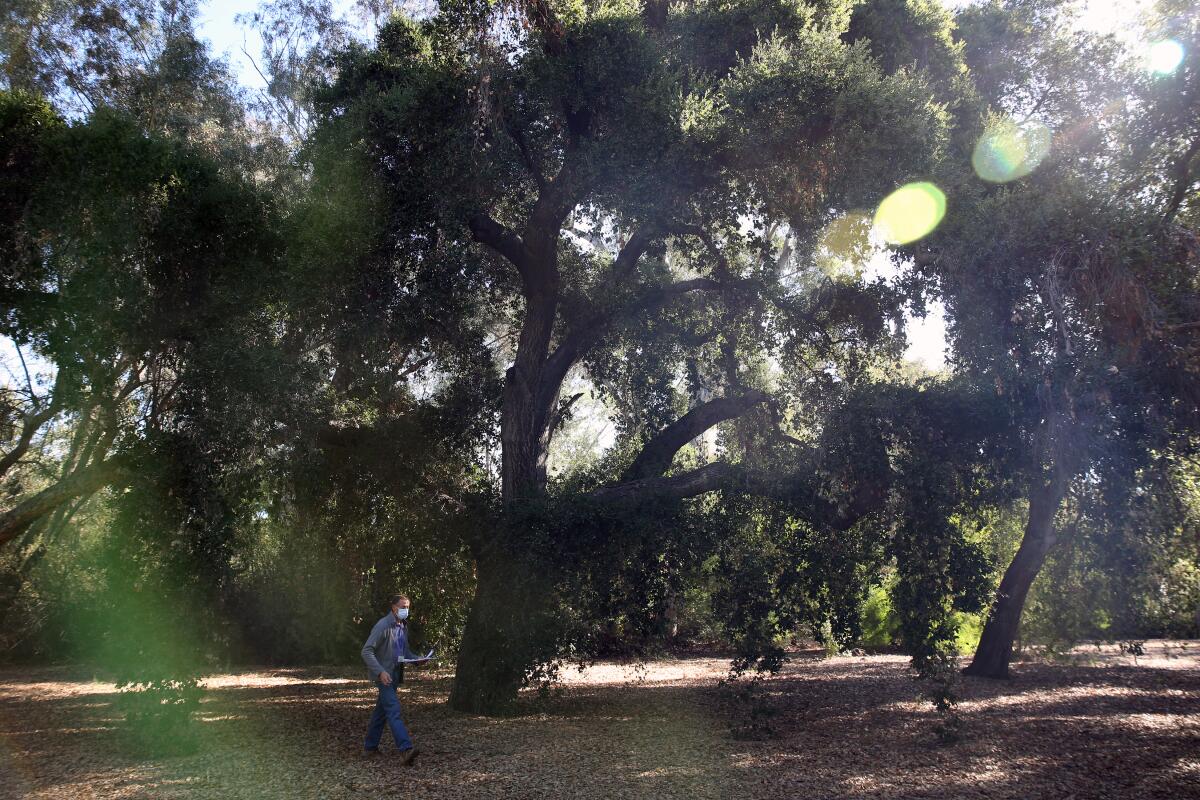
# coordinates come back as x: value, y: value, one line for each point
x: 591, y: 171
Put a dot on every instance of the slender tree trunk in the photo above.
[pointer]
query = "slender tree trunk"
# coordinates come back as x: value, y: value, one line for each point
x: 996, y: 644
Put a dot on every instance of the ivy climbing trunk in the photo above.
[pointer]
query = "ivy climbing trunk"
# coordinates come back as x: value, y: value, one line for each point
x: 489, y: 674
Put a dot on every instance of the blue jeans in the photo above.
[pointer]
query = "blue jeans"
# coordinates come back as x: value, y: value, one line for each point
x: 387, y: 709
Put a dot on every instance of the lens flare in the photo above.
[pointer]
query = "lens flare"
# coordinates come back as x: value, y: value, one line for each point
x: 1008, y: 150
x: 845, y: 245
x: 1164, y: 57
x: 910, y: 212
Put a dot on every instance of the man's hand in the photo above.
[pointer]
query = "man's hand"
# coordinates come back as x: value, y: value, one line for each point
x: 385, y: 679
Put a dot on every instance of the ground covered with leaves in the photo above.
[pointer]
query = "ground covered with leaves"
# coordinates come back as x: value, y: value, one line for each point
x: 1102, y: 724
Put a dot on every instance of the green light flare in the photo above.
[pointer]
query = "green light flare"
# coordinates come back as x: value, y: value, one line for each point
x: 845, y: 245
x: 1008, y: 150
x: 910, y: 212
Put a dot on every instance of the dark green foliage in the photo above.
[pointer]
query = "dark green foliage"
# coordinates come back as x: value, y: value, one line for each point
x: 147, y: 292
x: 159, y: 714
x: 609, y: 120
x: 1126, y: 569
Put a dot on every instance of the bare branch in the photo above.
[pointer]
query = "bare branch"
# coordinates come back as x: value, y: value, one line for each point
x: 25, y: 367
x: 31, y: 425
x: 416, y: 366
x: 688, y: 484
x: 85, y: 481
x: 723, y: 271
x: 561, y: 413
x: 486, y: 230
x: 658, y: 453
x: 627, y: 259
x: 580, y: 340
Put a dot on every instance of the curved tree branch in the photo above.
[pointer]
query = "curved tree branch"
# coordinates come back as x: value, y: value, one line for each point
x: 688, y: 484
x: 658, y: 453
x: 722, y: 267
x: 627, y: 259
x: 486, y: 230
x: 32, y: 423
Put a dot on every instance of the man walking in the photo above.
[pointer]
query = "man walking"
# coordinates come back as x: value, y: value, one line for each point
x: 385, y: 647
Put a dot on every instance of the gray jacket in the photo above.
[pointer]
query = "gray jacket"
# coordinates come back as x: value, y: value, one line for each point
x: 387, y: 644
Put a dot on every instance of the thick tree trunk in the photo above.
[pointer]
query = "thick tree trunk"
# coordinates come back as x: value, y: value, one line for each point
x: 524, y: 437
x: 495, y: 651
x: 493, y: 659
x: 494, y: 655
x: 502, y: 639
x: 996, y: 644
x: 490, y: 670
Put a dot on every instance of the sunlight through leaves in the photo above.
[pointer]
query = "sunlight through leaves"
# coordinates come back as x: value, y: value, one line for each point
x: 1164, y: 57
x: 846, y: 245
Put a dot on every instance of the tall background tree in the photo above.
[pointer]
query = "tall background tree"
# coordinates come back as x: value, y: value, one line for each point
x: 1072, y: 290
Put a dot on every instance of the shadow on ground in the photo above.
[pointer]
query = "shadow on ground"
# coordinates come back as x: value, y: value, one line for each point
x: 842, y: 728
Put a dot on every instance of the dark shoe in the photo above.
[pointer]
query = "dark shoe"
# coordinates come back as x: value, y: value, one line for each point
x: 370, y: 752
x: 409, y: 756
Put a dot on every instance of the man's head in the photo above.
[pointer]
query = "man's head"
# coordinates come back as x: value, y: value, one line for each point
x: 400, y: 605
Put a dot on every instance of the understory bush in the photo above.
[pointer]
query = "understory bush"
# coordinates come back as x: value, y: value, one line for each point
x: 159, y: 713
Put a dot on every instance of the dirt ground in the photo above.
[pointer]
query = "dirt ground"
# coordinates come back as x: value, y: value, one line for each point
x: 1105, y: 725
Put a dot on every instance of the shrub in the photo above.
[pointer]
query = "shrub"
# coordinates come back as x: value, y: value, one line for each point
x: 159, y: 713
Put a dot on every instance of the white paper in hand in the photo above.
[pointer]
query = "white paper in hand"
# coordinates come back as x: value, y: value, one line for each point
x: 418, y: 660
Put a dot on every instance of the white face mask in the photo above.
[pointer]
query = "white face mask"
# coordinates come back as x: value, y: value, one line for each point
x: 402, y: 613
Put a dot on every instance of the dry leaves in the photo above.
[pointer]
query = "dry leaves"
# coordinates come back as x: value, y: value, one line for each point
x: 850, y: 727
